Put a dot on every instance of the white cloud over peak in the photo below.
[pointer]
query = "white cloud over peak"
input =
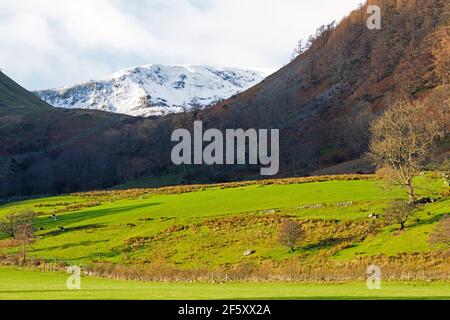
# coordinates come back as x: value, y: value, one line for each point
x: 49, y: 43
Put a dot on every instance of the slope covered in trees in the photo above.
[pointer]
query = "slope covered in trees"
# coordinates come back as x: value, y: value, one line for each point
x: 322, y: 102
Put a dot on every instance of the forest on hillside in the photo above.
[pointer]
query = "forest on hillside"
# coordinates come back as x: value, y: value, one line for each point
x: 322, y: 102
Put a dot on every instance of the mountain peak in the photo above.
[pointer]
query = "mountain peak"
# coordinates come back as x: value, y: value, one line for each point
x: 154, y: 89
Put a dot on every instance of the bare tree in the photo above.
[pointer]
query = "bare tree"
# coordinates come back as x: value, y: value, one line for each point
x: 401, y: 140
x: 290, y: 234
x: 8, y: 226
x: 399, y: 211
x: 20, y: 226
x: 299, y: 49
x: 25, y: 234
x: 438, y: 104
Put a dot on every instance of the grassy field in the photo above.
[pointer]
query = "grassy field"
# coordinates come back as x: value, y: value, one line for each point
x: 213, y: 226
x: 209, y: 228
x: 99, y: 232
x: 24, y: 284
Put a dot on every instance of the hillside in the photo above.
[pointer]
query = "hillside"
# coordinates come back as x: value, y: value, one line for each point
x: 198, y: 230
x: 322, y: 102
x: 11, y: 94
x: 155, y: 90
x: 33, y: 134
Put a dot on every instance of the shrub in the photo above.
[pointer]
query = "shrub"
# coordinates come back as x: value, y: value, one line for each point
x: 290, y: 233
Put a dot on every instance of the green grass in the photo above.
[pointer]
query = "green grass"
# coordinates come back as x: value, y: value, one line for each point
x: 152, y: 182
x: 218, y: 224
x: 211, y: 227
x: 120, y: 220
x: 11, y: 94
x: 216, y: 201
x: 414, y: 239
x: 24, y: 284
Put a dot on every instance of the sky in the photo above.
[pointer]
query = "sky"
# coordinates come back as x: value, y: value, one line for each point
x: 51, y: 43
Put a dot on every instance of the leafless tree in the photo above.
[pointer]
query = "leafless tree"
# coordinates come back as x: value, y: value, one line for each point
x: 290, y: 234
x: 401, y: 140
x: 438, y: 104
x: 298, y: 50
x: 25, y: 234
x: 20, y: 227
x: 399, y: 211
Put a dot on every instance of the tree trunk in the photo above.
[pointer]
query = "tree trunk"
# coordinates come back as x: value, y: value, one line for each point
x: 24, y: 254
x: 410, y: 189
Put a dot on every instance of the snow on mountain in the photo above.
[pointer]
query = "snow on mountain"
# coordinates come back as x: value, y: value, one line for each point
x: 154, y: 90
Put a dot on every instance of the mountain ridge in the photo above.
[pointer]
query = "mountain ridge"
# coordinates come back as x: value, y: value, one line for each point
x: 154, y: 89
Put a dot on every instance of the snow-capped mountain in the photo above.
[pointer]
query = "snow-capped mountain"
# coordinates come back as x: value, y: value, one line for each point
x: 155, y: 89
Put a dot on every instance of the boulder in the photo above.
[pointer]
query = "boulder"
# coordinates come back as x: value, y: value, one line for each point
x: 248, y: 253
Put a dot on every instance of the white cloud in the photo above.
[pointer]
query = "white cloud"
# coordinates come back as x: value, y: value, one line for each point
x: 47, y: 43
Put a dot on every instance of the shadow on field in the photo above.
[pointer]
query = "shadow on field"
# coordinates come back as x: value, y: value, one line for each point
x: 325, y: 243
x: 70, y: 245
x: 72, y: 229
x: 433, y: 219
x: 97, y: 212
x: 108, y: 254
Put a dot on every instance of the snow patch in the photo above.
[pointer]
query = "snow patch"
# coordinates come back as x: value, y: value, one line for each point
x: 153, y: 90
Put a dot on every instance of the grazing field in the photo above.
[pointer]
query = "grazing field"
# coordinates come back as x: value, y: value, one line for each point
x: 25, y: 284
x: 201, y: 232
